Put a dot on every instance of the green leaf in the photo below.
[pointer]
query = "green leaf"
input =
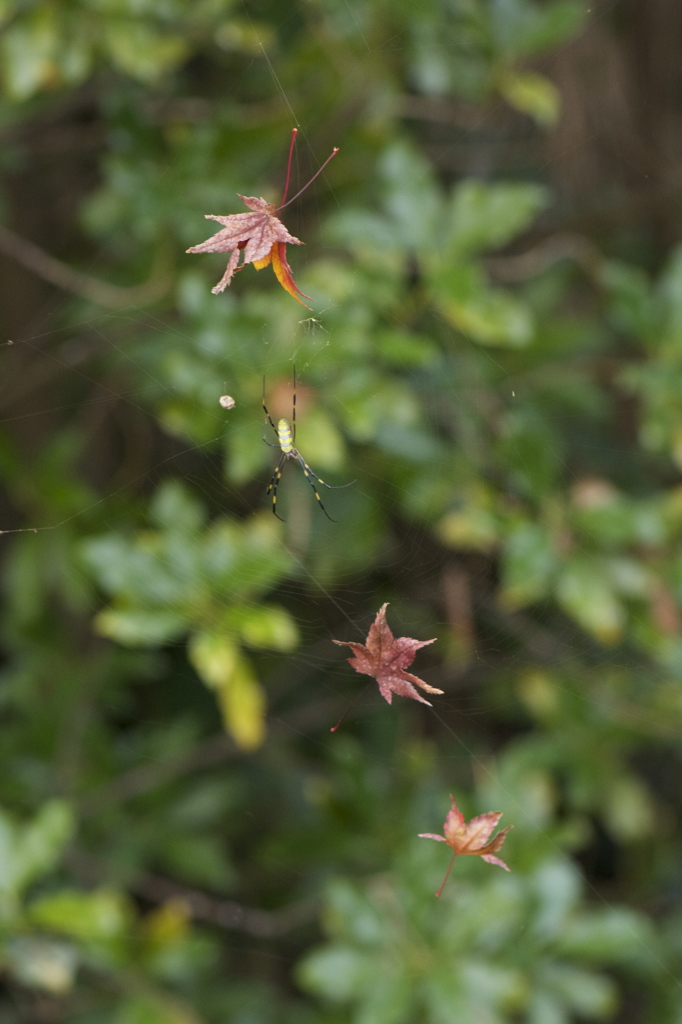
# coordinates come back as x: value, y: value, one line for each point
x: 155, y: 1008
x: 410, y: 195
x: 246, y: 456
x: 28, y: 51
x: 532, y: 94
x: 362, y: 230
x: 140, y: 626
x: 199, y: 858
x: 631, y: 304
x: 224, y: 669
x: 493, y: 318
x: 485, y: 314
x: 389, y: 996
x: 523, y: 28
x: 472, y: 526
x: 629, y: 809
x: 265, y: 627
x: 611, y: 936
x: 140, y: 51
x: 670, y: 294
x: 352, y: 914
x: 337, y: 972
x: 528, y: 562
x: 547, y: 1008
x: 29, y: 852
x: 485, y: 216
x: 135, y: 566
x: 402, y: 348
x: 530, y: 448
x: 588, y: 994
x: 176, y: 509
x: 491, y: 985
x: 586, y: 594
x: 42, y: 963
x: 556, y: 885
x: 320, y: 441
x: 91, y: 917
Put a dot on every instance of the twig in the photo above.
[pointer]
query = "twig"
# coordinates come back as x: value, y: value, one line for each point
x: 438, y: 111
x: 214, y: 750
x: 110, y: 296
x: 228, y: 914
x: 146, y: 777
x: 544, y: 255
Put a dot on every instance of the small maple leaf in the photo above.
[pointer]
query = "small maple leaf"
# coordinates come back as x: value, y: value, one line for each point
x: 385, y: 658
x: 471, y: 837
x: 259, y: 235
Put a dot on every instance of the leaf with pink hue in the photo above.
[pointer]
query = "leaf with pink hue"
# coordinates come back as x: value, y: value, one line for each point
x: 259, y: 235
x: 471, y: 837
x: 255, y: 235
x: 386, y: 657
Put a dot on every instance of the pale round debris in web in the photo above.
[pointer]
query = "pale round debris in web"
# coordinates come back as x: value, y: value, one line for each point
x: 227, y: 401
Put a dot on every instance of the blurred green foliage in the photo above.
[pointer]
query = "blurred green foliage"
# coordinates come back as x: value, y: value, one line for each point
x: 181, y: 839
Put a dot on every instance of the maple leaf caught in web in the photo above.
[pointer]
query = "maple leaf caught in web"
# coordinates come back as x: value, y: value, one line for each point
x: 386, y: 657
x: 470, y: 837
x: 259, y: 235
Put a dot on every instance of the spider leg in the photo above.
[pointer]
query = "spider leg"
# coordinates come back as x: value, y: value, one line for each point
x: 309, y: 477
x: 293, y: 418
x: 274, y: 484
x: 332, y: 487
x: 269, y: 418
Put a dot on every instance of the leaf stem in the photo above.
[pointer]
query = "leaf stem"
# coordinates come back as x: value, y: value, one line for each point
x: 350, y: 706
x: 315, y: 175
x: 447, y: 873
x: 294, y: 133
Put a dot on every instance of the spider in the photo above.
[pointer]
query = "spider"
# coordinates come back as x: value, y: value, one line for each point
x: 285, y: 432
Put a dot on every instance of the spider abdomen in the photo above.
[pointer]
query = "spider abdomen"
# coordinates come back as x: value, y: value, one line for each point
x: 285, y: 436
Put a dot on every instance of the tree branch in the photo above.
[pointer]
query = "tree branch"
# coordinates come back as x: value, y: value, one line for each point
x: 544, y: 255
x: 214, y: 750
x: 110, y: 296
x: 228, y: 914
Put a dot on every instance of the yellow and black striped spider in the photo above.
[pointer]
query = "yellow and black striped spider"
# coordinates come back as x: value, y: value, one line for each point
x: 285, y: 432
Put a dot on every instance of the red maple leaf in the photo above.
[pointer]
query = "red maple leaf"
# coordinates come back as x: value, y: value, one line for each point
x: 385, y: 658
x: 259, y: 235
x: 472, y: 837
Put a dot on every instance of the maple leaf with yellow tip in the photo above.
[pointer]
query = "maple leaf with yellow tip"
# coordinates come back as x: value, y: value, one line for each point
x: 259, y: 236
x: 470, y: 837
